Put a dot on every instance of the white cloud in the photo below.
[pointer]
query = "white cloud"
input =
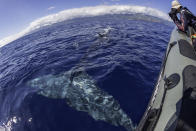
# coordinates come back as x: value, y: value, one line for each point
x: 115, y: 0
x: 83, y: 12
x: 51, y: 8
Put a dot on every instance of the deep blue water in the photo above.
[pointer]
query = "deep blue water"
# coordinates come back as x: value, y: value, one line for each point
x: 126, y: 64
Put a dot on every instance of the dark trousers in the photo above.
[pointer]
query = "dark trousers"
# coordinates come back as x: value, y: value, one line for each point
x: 194, y: 44
x: 194, y: 25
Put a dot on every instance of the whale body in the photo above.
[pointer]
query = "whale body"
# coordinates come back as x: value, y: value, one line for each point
x: 81, y: 93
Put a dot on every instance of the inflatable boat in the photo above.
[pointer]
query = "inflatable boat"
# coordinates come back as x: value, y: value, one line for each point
x: 173, y: 103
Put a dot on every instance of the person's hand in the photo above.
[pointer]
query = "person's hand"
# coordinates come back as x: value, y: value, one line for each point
x: 170, y: 14
x: 173, y: 13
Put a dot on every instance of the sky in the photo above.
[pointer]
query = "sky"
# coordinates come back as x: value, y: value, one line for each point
x: 15, y: 15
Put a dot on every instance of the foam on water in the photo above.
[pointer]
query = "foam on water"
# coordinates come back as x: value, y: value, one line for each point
x: 83, y: 12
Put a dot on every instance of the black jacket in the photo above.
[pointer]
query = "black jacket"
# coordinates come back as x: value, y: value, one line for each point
x: 186, y: 19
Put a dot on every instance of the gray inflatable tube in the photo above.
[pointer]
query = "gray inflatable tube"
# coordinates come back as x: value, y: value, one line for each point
x: 173, y: 102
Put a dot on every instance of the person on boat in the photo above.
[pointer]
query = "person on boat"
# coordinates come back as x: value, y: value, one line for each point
x: 186, y: 18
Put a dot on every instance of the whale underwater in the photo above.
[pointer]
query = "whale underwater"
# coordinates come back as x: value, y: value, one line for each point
x: 81, y: 93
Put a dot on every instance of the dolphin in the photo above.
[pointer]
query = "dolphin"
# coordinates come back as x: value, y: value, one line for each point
x: 81, y: 93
